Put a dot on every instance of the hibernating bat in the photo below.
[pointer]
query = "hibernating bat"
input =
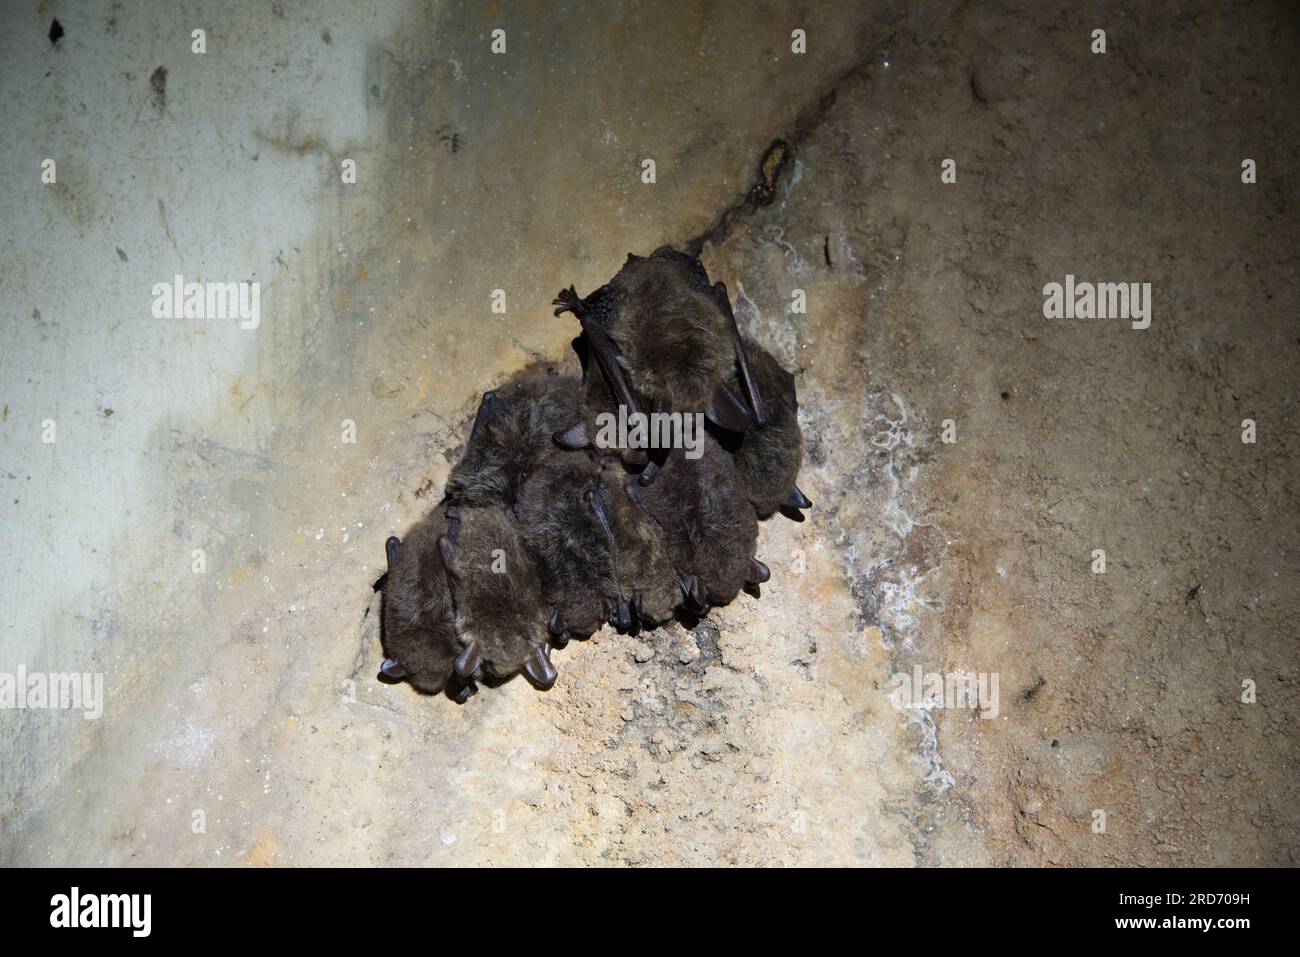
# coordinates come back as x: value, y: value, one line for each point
x: 767, y: 459
x: 664, y: 337
x: 544, y: 536
x: 511, y: 436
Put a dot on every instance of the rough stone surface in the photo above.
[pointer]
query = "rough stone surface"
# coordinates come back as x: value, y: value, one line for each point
x: 766, y: 734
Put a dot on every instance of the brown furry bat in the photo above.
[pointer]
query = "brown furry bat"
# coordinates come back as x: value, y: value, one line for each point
x: 644, y: 567
x: 512, y: 434
x: 560, y: 520
x: 662, y: 334
x: 462, y: 605
x: 419, y: 628
x: 499, y: 598
x: 708, y: 526
x: 767, y: 459
x: 542, y: 537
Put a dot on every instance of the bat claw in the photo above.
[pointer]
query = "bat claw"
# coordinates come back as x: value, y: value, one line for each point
x: 697, y: 599
x: 569, y: 301
x: 620, y: 615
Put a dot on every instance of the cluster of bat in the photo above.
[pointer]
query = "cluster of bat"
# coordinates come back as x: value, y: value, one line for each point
x: 543, y: 536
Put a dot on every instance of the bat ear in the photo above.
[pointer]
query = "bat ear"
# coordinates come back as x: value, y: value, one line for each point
x: 795, y: 498
x: 728, y: 412
x: 794, y: 501
x: 538, y: 668
x: 468, y: 662
x: 488, y: 406
x: 573, y: 438
x: 559, y: 634
x: 390, y: 672
x: 758, y: 572
x: 695, y: 598
x: 619, y: 613
x: 390, y: 550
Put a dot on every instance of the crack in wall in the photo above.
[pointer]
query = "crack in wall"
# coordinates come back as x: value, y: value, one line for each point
x: 781, y: 154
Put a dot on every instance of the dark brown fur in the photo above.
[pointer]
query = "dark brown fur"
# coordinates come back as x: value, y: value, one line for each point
x: 675, y: 341
x: 646, y: 574
x: 709, y: 527
x: 498, y: 592
x: 418, y: 630
x: 768, y: 459
x: 546, y: 537
x: 571, y: 551
x: 514, y: 438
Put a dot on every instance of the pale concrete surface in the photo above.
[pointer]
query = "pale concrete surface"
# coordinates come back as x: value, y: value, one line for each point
x: 153, y: 178
x: 247, y: 693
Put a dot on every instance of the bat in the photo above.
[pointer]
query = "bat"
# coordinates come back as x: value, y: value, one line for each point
x: 542, y: 536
